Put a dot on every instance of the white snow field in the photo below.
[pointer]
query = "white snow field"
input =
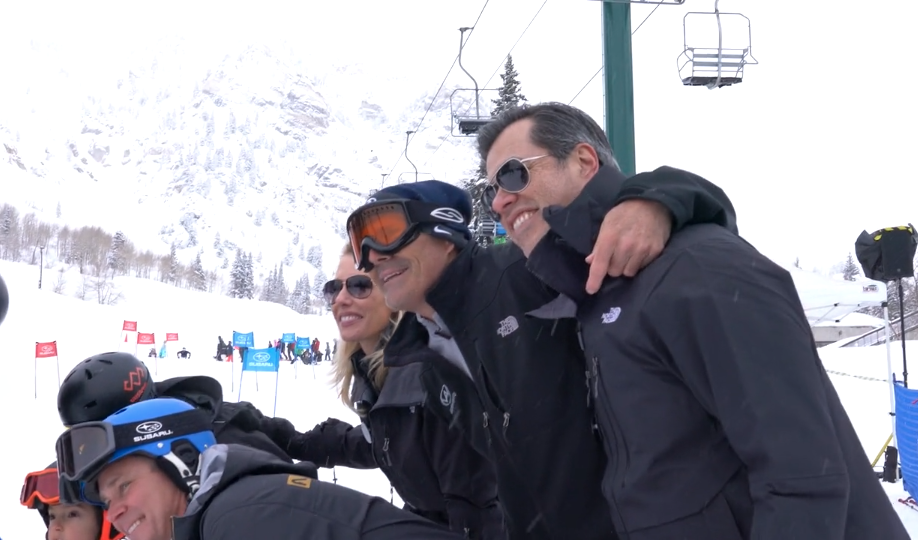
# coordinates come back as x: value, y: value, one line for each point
x: 30, y: 425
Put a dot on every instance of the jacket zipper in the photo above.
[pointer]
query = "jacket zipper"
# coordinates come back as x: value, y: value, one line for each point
x: 613, y: 442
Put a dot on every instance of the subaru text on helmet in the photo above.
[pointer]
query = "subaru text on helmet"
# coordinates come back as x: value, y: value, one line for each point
x: 86, y: 393
x: 169, y: 431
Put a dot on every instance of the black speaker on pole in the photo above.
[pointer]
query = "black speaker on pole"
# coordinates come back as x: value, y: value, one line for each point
x: 888, y: 255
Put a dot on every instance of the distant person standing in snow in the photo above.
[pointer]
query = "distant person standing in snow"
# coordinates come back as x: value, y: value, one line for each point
x: 183, y: 354
x: 413, y: 439
x: 327, y: 352
x: 291, y: 347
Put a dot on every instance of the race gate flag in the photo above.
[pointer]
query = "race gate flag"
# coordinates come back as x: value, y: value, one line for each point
x: 126, y: 326
x: 906, y: 400
x: 46, y: 349
x: 302, y: 343
x: 147, y: 339
x: 260, y: 360
x: 243, y: 340
x: 289, y: 338
x: 172, y: 337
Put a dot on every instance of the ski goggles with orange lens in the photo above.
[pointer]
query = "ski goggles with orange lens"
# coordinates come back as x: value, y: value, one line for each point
x: 40, y: 487
x: 387, y: 226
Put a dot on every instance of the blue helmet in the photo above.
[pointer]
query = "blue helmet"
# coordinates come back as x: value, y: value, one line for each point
x: 170, y: 431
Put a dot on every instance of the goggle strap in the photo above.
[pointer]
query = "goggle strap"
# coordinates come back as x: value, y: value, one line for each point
x: 173, y: 425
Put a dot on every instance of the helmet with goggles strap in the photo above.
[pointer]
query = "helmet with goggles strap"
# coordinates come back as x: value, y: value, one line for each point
x: 394, y: 217
x: 170, y: 431
x: 40, y: 492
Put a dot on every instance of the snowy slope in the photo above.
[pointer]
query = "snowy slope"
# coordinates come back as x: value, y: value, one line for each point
x: 261, y: 145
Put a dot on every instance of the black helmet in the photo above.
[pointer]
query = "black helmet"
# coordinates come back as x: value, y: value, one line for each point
x: 102, y: 385
x: 4, y: 300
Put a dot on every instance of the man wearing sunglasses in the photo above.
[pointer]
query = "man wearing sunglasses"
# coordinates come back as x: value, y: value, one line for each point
x: 716, y: 415
x: 469, y: 304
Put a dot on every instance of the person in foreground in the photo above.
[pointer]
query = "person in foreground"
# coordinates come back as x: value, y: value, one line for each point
x: 105, y: 383
x: 410, y: 435
x: 716, y: 414
x: 469, y: 305
x: 78, y: 521
x: 157, y: 468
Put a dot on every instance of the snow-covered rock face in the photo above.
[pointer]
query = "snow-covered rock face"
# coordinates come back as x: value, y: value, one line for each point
x: 257, y: 147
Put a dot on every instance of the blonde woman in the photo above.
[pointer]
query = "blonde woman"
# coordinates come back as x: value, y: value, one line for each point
x: 403, y: 431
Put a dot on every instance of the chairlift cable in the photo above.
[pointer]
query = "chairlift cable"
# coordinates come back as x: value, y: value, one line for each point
x: 442, y: 84
x: 502, y: 60
x: 720, y: 47
x: 598, y: 71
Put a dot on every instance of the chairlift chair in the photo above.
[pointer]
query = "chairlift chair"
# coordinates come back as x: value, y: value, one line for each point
x: 470, y: 121
x: 650, y: 2
x: 714, y: 67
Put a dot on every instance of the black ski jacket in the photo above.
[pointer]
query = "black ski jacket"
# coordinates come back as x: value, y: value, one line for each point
x: 234, y: 423
x: 247, y: 494
x: 530, y: 373
x: 717, y: 416
x: 414, y: 442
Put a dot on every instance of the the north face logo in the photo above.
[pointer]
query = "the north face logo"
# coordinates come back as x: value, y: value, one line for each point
x: 447, y: 398
x: 508, y: 326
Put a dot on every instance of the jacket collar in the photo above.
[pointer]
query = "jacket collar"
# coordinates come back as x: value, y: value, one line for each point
x: 558, y: 259
x: 409, y: 339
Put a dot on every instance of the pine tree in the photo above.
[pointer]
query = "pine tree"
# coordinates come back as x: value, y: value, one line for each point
x: 173, y: 275
x: 314, y: 256
x: 267, y: 290
x: 319, y: 284
x: 237, y: 276
x: 249, y: 285
x: 281, y: 292
x: 509, y: 93
x: 850, y: 270
x: 116, y: 253
x: 198, y: 276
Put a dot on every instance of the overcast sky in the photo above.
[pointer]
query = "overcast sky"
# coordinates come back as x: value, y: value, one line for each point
x: 815, y: 146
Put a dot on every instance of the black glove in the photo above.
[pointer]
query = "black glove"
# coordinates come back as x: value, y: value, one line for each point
x: 243, y: 415
x: 279, y: 430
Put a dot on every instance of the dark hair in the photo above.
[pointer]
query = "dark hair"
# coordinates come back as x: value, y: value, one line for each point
x: 556, y: 127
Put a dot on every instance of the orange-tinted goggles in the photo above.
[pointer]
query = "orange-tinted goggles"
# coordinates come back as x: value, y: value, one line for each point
x: 40, y: 487
x: 387, y: 226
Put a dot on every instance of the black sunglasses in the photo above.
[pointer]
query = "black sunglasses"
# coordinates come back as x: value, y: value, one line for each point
x: 513, y: 177
x: 358, y: 286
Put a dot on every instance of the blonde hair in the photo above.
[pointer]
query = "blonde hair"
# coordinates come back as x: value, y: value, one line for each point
x: 343, y: 369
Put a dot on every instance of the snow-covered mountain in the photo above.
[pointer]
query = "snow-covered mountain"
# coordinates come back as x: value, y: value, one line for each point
x: 256, y: 151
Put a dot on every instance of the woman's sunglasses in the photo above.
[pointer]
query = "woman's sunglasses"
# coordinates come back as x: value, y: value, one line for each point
x: 513, y: 177
x: 358, y: 287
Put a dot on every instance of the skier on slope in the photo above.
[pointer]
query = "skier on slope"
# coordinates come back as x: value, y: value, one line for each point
x: 181, y: 485
x: 183, y: 354
x: 107, y: 382
x: 79, y: 521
